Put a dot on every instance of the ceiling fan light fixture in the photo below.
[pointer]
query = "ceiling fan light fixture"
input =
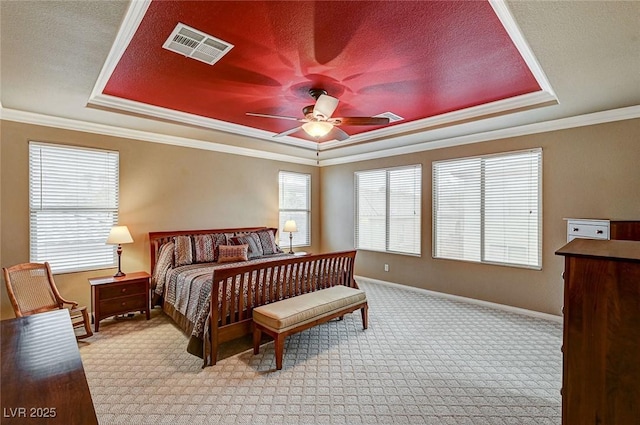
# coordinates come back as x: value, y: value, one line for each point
x: 317, y: 129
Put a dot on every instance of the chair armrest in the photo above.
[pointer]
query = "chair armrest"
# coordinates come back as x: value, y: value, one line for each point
x: 73, y: 304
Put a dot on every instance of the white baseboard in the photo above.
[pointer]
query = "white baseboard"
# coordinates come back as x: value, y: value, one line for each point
x: 517, y: 310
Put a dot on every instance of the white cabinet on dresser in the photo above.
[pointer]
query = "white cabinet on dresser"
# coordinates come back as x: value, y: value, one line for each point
x: 587, y: 228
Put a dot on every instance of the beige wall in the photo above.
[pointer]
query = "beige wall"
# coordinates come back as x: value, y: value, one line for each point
x: 162, y: 187
x: 588, y: 172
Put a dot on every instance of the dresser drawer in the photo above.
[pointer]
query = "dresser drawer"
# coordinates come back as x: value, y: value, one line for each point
x: 587, y: 229
x: 113, y: 306
x: 122, y: 290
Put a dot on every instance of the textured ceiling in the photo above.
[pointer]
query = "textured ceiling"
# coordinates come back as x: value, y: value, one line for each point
x: 414, y: 59
x: 57, y: 58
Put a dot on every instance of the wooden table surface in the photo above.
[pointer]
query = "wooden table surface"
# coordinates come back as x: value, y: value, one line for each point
x: 43, y: 381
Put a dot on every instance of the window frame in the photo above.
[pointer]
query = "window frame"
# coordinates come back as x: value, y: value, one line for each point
x: 388, y: 208
x: 482, y: 213
x: 70, y: 212
x: 282, y: 214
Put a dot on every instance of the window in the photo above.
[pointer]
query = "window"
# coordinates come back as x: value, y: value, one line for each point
x: 73, y: 203
x: 295, y: 204
x: 388, y: 205
x: 488, y: 209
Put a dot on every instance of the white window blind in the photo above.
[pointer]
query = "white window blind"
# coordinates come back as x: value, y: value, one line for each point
x: 295, y: 204
x: 488, y: 209
x: 388, y: 209
x: 73, y: 203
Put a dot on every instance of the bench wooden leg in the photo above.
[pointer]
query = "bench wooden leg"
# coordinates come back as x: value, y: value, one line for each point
x: 365, y: 321
x: 279, y: 337
x: 279, y: 342
x: 257, y: 336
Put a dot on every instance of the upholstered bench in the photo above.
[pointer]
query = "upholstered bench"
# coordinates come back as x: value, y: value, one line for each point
x: 292, y: 315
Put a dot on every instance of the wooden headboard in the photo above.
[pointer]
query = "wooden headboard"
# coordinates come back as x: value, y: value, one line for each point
x: 157, y: 239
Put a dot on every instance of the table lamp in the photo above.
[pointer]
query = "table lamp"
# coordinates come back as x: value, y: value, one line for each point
x: 117, y: 236
x: 290, y: 226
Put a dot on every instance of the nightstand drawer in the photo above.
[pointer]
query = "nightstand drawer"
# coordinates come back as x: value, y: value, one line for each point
x: 123, y: 289
x: 113, y: 295
x: 123, y: 304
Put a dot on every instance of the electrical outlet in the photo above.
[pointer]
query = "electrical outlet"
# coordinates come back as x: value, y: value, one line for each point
x: 386, y: 267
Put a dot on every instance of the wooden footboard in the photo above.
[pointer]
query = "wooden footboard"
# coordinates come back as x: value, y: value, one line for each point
x: 247, y: 287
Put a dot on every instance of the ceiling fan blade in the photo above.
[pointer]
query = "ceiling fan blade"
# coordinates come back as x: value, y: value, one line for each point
x: 339, y: 134
x: 286, y: 133
x: 325, y: 106
x: 282, y: 117
x: 360, y: 121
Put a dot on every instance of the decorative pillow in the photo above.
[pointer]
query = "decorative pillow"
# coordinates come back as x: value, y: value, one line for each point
x: 163, y: 264
x: 204, y: 249
x: 274, y: 231
x: 268, y: 242
x: 183, y: 251
x: 229, y: 253
x: 218, y: 239
x: 253, y: 241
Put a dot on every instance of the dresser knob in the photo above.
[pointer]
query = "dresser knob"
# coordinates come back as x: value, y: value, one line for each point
x: 123, y: 304
x: 575, y: 229
x: 124, y: 290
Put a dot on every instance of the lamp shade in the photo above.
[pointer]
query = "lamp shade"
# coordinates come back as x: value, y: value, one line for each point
x: 119, y: 235
x: 317, y: 129
x: 290, y: 226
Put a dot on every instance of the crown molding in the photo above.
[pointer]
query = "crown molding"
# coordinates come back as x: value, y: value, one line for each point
x: 138, y: 108
x: 136, y: 11
x: 500, y: 107
x: 508, y: 22
x: 620, y: 114
x: 108, y: 130
x: 474, y: 113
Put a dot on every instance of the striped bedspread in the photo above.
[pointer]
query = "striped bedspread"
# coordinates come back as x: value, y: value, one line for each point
x: 188, y: 289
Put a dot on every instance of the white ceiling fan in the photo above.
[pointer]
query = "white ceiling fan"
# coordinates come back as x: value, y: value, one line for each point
x: 318, y: 121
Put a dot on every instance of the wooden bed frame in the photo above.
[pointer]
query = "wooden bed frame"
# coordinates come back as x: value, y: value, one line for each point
x: 297, y: 275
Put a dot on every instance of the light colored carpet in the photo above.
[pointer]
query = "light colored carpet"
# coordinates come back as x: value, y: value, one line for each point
x: 423, y: 360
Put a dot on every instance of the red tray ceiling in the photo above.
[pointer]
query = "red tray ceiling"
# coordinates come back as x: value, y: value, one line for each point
x: 417, y: 59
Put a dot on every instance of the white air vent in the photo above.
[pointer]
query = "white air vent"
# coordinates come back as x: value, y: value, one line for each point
x: 195, y: 44
x: 392, y: 117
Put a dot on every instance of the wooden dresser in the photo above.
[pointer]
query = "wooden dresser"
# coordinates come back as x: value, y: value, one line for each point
x: 601, y: 338
x: 43, y: 381
x: 625, y: 230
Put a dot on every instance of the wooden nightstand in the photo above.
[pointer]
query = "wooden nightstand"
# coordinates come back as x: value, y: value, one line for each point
x: 119, y: 295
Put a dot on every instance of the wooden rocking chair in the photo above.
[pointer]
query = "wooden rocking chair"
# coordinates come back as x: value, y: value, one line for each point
x: 32, y: 290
